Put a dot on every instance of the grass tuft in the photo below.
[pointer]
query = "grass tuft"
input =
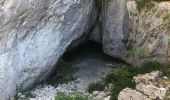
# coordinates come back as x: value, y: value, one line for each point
x: 122, y: 77
x: 71, y: 96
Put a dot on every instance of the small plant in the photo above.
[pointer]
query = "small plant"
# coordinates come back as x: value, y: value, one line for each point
x: 71, y: 96
x: 137, y: 52
x: 141, y: 4
x: 98, y: 86
x: 167, y: 16
x: 123, y: 76
x: 147, y: 26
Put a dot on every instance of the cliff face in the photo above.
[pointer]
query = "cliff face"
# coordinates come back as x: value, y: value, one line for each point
x: 34, y: 34
x: 115, y: 27
x: 150, y: 32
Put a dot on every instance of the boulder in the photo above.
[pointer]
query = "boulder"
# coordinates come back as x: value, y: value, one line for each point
x: 148, y: 78
x: 33, y: 36
x: 147, y: 88
x: 115, y: 27
x: 130, y: 94
x: 152, y: 91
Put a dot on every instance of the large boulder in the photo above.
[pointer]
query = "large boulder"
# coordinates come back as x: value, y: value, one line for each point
x: 115, y: 27
x: 33, y: 36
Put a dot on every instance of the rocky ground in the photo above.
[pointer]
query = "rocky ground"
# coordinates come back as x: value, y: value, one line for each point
x: 149, y: 86
x: 92, y: 65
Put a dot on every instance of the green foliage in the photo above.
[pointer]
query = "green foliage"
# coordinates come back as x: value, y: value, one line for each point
x: 166, y: 16
x: 137, y: 52
x: 65, y: 72
x: 98, y: 86
x: 147, y: 26
x: 141, y: 4
x: 123, y: 76
x: 71, y: 96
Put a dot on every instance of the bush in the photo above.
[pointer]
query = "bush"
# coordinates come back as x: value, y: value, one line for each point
x: 99, y: 86
x: 137, y: 52
x: 141, y: 3
x: 71, y: 96
x: 123, y: 76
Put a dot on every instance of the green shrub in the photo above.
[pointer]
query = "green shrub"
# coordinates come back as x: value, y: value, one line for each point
x: 71, y: 96
x: 141, y: 4
x: 137, y: 52
x: 123, y: 76
x: 98, y: 86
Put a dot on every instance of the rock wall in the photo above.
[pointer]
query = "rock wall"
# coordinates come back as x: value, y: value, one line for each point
x: 34, y: 34
x: 150, y: 32
x: 115, y: 27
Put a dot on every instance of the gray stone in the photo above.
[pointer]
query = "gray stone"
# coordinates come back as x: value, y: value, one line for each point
x: 34, y: 34
x: 152, y: 91
x: 115, y: 30
x: 148, y: 78
x: 130, y: 94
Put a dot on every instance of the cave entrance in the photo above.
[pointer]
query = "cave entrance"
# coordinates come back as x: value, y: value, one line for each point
x: 83, y: 65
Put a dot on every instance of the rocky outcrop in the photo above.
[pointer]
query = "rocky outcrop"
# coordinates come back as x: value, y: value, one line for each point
x: 130, y: 94
x: 150, y: 32
x: 33, y: 36
x: 115, y: 27
x: 148, y: 87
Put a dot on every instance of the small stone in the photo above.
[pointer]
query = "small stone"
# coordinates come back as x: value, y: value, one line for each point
x: 165, y: 77
x: 19, y: 94
x: 95, y: 93
x: 107, y: 98
x: 102, y: 94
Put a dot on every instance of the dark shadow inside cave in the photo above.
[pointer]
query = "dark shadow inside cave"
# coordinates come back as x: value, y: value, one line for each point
x: 86, y: 63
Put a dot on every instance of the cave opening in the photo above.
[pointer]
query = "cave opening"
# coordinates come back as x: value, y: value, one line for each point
x: 85, y: 64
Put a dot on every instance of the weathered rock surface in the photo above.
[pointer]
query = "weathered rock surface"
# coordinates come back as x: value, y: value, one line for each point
x: 34, y: 34
x: 148, y: 78
x: 130, y: 94
x: 115, y: 27
x: 150, y: 32
x: 147, y: 88
x: 152, y: 91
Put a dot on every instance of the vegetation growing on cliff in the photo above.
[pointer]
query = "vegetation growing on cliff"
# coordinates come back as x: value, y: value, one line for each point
x: 142, y: 3
x: 123, y: 76
x: 136, y: 52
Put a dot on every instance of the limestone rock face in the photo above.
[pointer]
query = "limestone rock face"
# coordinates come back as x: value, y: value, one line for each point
x: 147, y: 88
x: 152, y: 91
x: 130, y: 94
x: 115, y: 27
x: 150, y: 32
x: 148, y: 78
x: 34, y: 34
